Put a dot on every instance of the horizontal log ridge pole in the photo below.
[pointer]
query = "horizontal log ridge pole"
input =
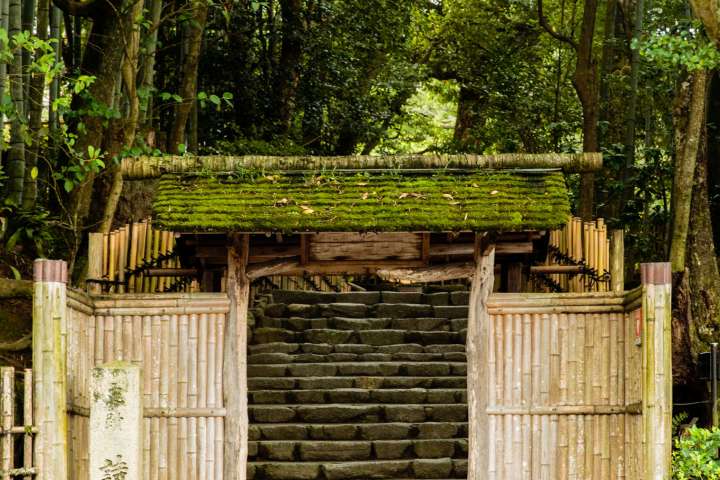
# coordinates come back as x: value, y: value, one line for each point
x: 150, y: 167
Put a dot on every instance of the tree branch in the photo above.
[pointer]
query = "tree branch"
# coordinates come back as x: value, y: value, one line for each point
x: 549, y: 29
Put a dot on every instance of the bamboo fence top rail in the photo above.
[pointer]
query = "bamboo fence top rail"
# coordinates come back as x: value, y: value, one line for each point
x: 151, y: 167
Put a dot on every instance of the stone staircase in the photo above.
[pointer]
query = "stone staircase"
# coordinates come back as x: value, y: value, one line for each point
x: 361, y: 385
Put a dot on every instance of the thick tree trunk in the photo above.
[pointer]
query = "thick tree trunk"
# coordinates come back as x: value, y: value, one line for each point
x: 704, y: 277
x: 287, y: 77
x: 469, y: 118
x: 36, y: 94
x: 188, y: 82
x: 689, y: 117
x: 102, y: 59
x: 123, y: 134
x: 16, y: 155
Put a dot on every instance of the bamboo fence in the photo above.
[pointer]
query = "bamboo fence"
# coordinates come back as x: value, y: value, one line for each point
x: 118, y: 259
x: 564, y: 387
x: 178, y: 340
x: 9, y: 431
x: 581, y: 243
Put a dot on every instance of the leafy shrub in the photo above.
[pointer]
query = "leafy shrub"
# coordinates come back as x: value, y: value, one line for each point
x: 696, y: 455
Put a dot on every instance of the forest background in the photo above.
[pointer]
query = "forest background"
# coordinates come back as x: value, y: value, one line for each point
x: 84, y: 83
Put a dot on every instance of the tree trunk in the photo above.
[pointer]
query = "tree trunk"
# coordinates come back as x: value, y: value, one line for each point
x: 469, y: 119
x: 37, y: 94
x: 4, y: 24
x: 148, y: 71
x: 631, y: 113
x: 586, y: 85
x: 704, y: 277
x: 102, y: 59
x: 689, y: 118
x: 16, y: 155
x: 287, y: 78
x: 188, y: 83
x: 123, y: 135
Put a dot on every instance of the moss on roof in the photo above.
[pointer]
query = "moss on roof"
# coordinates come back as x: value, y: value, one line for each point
x: 388, y: 202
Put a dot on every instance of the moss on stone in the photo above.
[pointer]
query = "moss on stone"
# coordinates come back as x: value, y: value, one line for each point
x: 253, y: 201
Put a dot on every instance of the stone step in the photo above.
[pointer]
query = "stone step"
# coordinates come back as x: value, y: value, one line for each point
x: 360, y: 470
x: 334, y: 450
x: 344, y: 323
x: 361, y: 310
x: 364, y: 337
x: 326, y: 348
x: 370, y: 298
x: 358, y: 395
x: 363, y: 413
x: 374, y: 382
x: 358, y: 431
x: 343, y: 369
x: 275, y: 358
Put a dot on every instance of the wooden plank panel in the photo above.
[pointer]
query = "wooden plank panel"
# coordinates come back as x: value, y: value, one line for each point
x: 389, y: 250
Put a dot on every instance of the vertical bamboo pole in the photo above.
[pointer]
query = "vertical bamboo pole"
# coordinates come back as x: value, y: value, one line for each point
x: 477, y: 355
x: 7, y: 420
x: 657, y: 369
x: 132, y: 259
x: 617, y: 261
x: 49, y: 359
x: 28, y: 421
x: 95, y: 258
x: 235, y: 358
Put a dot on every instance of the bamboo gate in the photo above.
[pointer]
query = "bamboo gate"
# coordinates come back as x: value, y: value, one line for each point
x: 562, y: 386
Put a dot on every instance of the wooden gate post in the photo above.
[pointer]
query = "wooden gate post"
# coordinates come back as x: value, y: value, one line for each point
x: 657, y: 370
x: 235, y: 448
x: 49, y: 346
x: 477, y: 359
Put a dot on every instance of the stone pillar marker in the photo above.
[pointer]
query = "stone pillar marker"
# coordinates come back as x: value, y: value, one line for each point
x: 116, y: 426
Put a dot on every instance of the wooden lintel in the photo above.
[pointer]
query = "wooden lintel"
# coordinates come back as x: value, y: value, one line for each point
x: 449, y: 271
x: 509, y: 248
x: 279, y: 266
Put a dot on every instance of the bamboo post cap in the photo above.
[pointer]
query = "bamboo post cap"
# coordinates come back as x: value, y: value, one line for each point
x: 45, y: 270
x: 658, y: 273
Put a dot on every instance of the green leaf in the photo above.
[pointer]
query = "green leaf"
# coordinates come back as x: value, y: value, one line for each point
x: 215, y: 99
x: 34, y: 173
x: 68, y: 185
x: 15, y: 272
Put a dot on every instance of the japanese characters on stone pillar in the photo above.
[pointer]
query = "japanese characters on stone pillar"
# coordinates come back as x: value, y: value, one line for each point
x: 116, y: 440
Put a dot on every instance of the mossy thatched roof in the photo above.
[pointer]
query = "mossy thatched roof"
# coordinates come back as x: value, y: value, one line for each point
x: 391, y: 201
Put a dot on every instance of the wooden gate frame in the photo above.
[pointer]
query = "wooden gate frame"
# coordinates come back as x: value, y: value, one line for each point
x: 50, y: 350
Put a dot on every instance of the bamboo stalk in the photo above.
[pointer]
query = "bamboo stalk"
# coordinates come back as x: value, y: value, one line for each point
x: 7, y: 419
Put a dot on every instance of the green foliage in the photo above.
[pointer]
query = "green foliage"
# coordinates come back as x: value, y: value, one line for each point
x: 696, y: 455
x: 680, y: 46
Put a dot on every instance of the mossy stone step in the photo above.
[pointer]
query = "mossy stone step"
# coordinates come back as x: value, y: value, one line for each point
x: 355, y: 348
x: 355, y: 431
x: 344, y: 323
x: 362, y: 413
x: 359, y: 470
x: 275, y: 358
x: 368, y: 382
x: 319, y: 450
x: 358, y: 395
x: 344, y: 369
x: 376, y: 338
